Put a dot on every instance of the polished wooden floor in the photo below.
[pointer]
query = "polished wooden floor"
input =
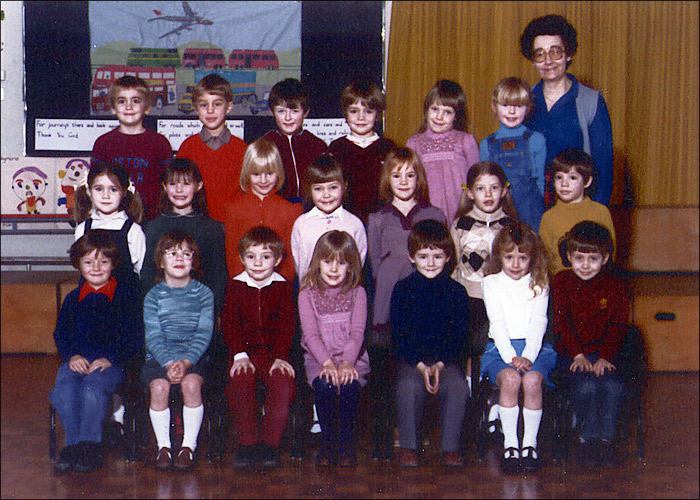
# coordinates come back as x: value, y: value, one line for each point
x: 670, y: 469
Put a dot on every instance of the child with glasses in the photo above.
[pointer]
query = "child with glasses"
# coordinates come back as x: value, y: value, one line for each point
x: 178, y: 313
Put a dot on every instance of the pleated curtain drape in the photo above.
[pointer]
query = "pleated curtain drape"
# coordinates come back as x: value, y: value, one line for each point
x: 643, y: 57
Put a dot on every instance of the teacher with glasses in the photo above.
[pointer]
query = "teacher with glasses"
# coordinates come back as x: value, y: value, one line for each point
x: 568, y: 113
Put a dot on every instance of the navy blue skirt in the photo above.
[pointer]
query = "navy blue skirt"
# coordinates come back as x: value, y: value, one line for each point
x: 492, y: 362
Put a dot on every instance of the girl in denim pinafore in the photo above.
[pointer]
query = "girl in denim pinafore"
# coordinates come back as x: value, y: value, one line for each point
x: 521, y: 152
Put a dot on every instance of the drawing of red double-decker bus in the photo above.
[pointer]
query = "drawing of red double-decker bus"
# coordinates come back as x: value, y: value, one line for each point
x: 160, y: 80
x: 253, y: 59
x: 203, y: 58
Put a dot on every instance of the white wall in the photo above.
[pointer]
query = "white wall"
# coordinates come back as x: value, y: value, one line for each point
x: 12, y: 126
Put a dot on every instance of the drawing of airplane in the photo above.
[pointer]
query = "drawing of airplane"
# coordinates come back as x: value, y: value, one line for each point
x: 190, y: 18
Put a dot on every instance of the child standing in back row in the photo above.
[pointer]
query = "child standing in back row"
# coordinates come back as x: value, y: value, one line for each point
x: 516, y: 295
x: 217, y: 152
x: 445, y: 147
x: 521, y: 152
x: 362, y: 152
x: 141, y: 151
x: 289, y: 103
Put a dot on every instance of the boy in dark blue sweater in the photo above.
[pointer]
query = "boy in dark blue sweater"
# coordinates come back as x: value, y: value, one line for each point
x: 99, y: 328
x: 430, y: 327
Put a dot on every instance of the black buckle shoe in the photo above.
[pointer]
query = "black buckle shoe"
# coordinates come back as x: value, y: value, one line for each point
x: 510, y: 462
x: 528, y: 461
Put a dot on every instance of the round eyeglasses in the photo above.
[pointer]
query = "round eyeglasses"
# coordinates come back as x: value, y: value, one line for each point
x: 185, y: 254
x: 555, y: 53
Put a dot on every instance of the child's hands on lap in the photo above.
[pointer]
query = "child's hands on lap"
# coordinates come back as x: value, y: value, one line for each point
x: 601, y: 365
x: 99, y: 364
x: 347, y: 373
x: 283, y: 366
x: 79, y: 364
x: 242, y: 365
x: 330, y: 372
x: 177, y: 370
x: 581, y: 364
x: 521, y: 364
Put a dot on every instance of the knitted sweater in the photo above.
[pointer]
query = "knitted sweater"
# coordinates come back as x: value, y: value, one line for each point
x: 362, y: 168
x: 590, y: 315
x: 258, y: 321
x: 297, y: 152
x: 245, y: 212
x: 559, y: 219
x: 96, y: 327
x: 473, y: 235
x: 179, y: 322
x: 220, y: 169
x: 144, y: 156
x: 429, y: 319
x: 333, y: 327
x: 447, y: 158
x: 207, y: 233
x: 515, y: 312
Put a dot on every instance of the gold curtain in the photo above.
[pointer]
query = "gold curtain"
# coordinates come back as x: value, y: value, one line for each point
x: 643, y: 57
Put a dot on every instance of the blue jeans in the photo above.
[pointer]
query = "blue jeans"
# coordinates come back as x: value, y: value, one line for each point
x: 597, y: 401
x: 82, y: 401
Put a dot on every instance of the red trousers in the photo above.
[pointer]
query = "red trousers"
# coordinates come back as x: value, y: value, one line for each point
x: 240, y: 394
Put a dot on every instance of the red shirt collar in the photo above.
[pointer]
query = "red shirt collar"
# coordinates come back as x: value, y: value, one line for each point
x: 107, y: 289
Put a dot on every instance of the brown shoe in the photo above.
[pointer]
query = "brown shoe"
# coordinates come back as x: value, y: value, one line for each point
x: 185, y: 459
x: 408, y: 458
x: 164, y: 459
x: 452, y: 459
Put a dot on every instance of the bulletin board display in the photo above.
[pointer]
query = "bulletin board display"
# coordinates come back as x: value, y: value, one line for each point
x: 340, y: 42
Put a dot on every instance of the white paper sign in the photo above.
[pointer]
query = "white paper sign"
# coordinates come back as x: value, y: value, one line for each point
x: 58, y: 134
x: 176, y: 131
x: 328, y: 129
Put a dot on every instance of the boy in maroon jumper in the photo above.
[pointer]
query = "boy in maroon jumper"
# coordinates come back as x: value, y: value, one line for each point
x: 362, y: 152
x: 289, y: 103
x: 591, y: 311
x: 258, y: 323
x: 141, y: 151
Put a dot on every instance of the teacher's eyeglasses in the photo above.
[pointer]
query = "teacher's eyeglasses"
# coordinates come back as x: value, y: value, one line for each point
x: 555, y: 53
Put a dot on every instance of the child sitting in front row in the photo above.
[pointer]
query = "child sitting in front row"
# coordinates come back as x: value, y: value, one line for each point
x: 516, y: 295
x: 179, y: 318
x: 333, y: 315
x: 99, y: 328
x: 574, y: 181
x: 430, y: 327
x: 289, y: 103
x: 258, y: 326
x: 591, y: 309
x: 520, y: 151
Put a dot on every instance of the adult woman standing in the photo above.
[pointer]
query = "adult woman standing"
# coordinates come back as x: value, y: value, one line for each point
x: 566, y: 112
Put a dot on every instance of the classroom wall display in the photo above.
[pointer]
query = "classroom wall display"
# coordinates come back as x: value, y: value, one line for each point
x: 340, y: 42
x: 40, y: 187
x: 173, y: 45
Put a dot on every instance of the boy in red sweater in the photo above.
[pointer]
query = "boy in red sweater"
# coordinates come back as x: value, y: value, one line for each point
x: 258, y: 324
x: 591, y: 310
x: 217, y: 152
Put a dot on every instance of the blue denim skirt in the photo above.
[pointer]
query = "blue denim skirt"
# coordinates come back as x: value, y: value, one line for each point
x: 492, y: 362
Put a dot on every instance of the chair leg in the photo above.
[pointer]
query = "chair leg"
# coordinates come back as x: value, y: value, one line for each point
x: 52, y: 432
x: 640, y: 436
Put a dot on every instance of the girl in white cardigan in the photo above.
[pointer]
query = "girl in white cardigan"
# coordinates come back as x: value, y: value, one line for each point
x: 516, y: 295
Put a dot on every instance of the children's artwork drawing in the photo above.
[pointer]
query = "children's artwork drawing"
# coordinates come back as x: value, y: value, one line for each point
x: 72, y: 175
x: 172, y: 45
x: 28, y: 184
